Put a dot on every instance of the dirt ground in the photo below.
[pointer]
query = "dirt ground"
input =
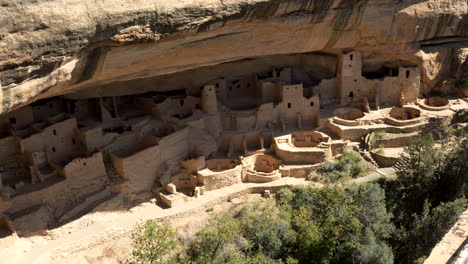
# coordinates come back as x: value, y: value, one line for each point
x: 103, y: 235
x: 117, y: 249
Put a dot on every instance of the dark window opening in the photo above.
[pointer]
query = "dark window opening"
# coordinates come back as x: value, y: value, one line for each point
x: 407, y: 74
x: 12, y: 120
x: 217, y: 85
x: 289, y: 105
x: 181, y: 102
x: 73, y: 141
x: 197, y: 106
x: 351, y: 56
x: 230, y: 88
x: 55, y: 132
x: 53, y: 149
x: 248, y: 85
x: 351, y: 94
x: 350, y: 65
x: 238, y: 86
x: 311, y: 103
x: 355, y: 80
x: 50, y: 106
x: 84, y: 163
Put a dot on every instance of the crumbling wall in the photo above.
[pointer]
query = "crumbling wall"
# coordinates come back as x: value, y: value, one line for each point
x: 176, y: 107
x: 215, y: 180
x: 57, y: 140
x: 175, y: 145
x: 94, y: 138
x: 85, y: 175
x: 43, y: 112
x: 140, y: 168
x: 8, y: 148
x: 17, y: 119
x: 327, y: 90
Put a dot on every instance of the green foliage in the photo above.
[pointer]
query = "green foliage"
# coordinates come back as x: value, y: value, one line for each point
x: 360, y: 224
x: 267, y: 228
x: 338, y: 226
x: 211, y: 244
x: 325, y: 225
x: 426, y: 229
x: 428, y: 194
x: 350, y: 164
x: 373, y: 213
x: 377, y: 139
x: 152, y: 242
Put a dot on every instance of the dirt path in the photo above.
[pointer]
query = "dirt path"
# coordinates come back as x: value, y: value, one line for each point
x: 120, y: 221
x: 100, y: 227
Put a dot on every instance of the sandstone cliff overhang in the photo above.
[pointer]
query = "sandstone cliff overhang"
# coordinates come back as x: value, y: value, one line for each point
x: 50, y: 48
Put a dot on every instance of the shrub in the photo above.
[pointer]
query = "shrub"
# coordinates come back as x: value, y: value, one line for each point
x: 268, y: 229
x: 152, y: 242
x: 350, y: 164
x: 377, y: 139
x: 213, y: 243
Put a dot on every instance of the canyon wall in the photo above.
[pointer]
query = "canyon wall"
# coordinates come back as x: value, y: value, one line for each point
x: 57, y: 47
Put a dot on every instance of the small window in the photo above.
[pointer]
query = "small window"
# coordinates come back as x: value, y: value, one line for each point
x: 197, y: 106
x: 351, y: 94
x: 407, y: 74
x: 181, y: 102
x: 355, y: 80
x: 238, y: 86
x: 55, y: 132
x: 73, y: 141
x: 351, y: 57
x: 311, y: 103
x: 12, y: 120
x: 350, y: 65
x: 289, y: 105
x: 217, y: 85
x: 84, y: 163
x: 248, y: 85
x: 53, y: 149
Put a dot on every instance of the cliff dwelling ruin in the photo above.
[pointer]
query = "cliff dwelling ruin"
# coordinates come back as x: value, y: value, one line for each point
x: 62, y: 152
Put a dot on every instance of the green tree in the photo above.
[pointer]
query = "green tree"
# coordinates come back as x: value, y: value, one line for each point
x: 213, y: 243
x: 326, y: 222
x: 373, y: 214
x: 426, y: 229
x: 268, y: 229
x: 152, y: 242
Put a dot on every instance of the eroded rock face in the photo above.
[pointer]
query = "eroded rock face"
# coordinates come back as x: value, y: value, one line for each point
x: 56, y: 47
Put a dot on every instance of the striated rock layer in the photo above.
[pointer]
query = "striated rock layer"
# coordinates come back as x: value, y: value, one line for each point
x: 57, y: 47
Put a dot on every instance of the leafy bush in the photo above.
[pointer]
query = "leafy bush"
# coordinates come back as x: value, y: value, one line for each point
x: 378, y: 137
x: 213, y: 243
x: 268, y: 229
x: 348, y: 165
x: 152, y: 242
